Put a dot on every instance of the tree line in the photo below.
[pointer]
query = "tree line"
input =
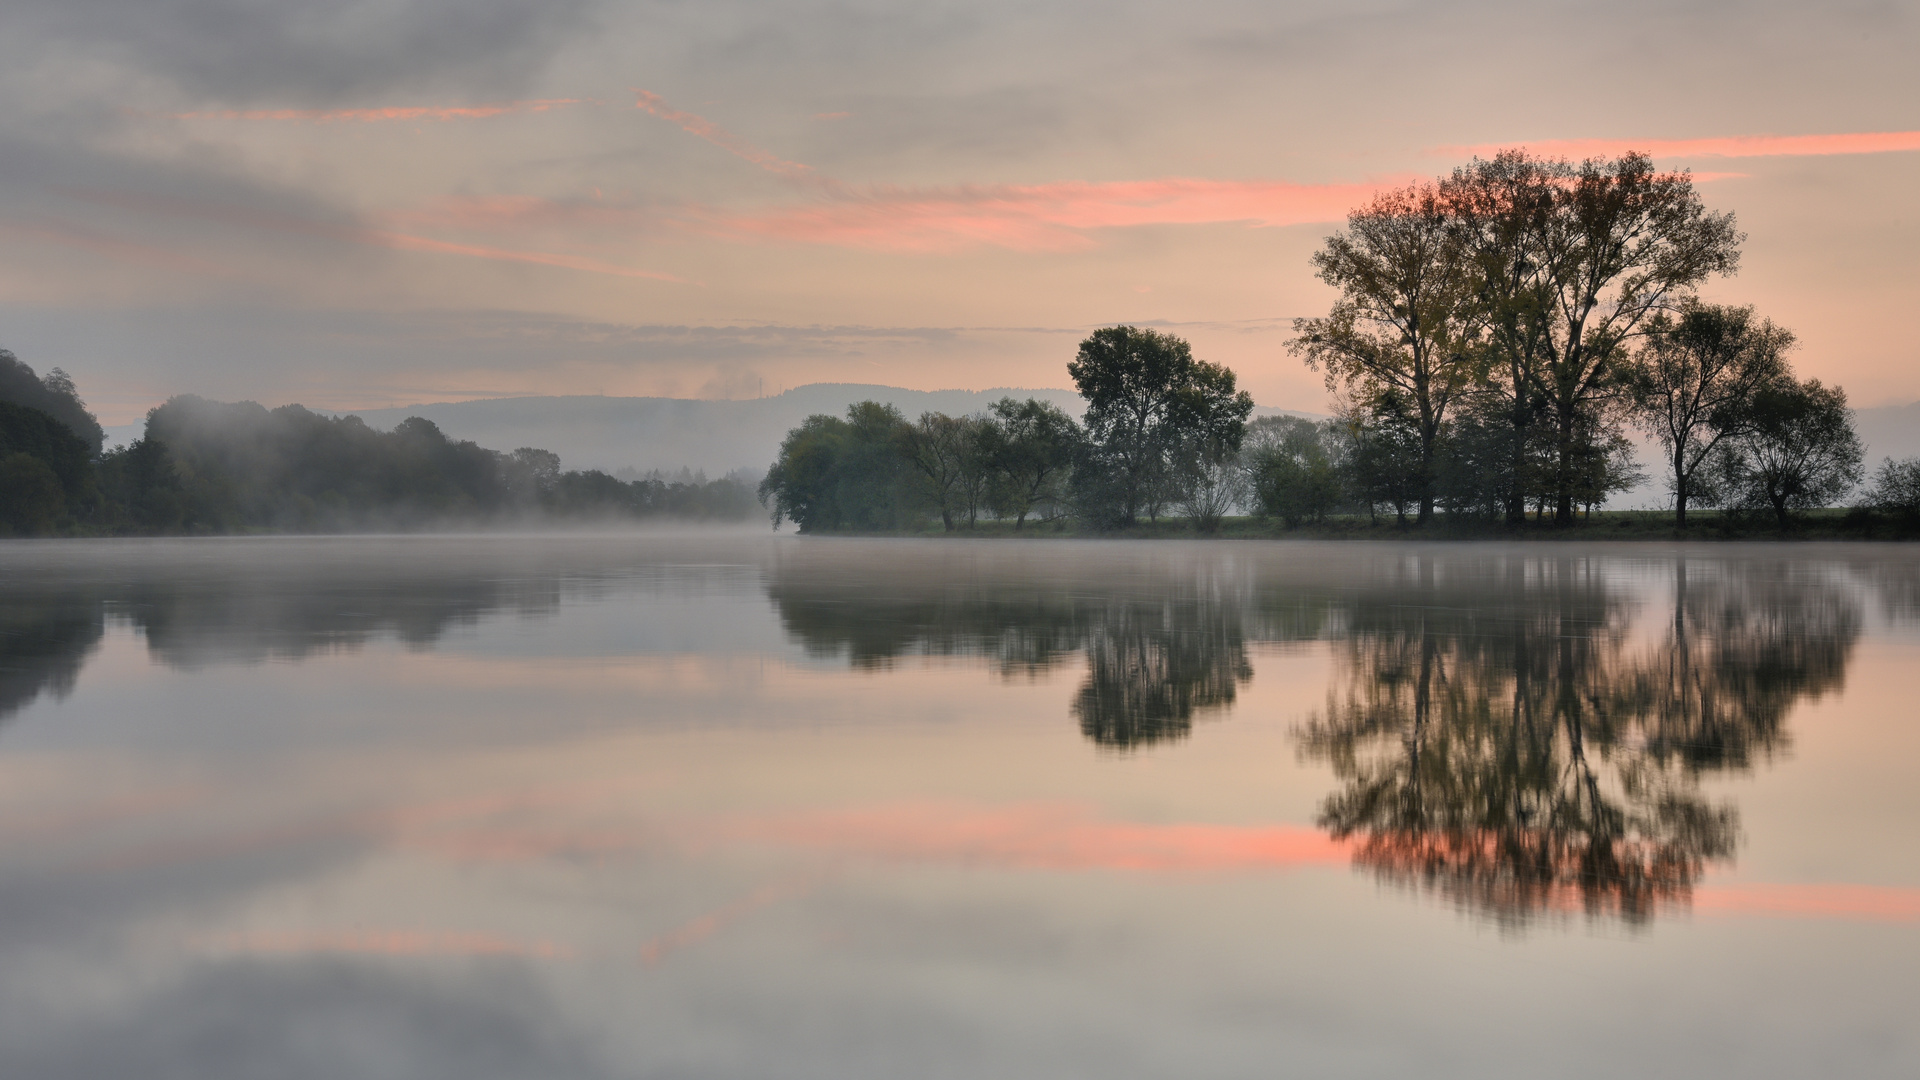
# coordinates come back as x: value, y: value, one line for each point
x: 1160, y: 436
x: 213, y: 467
x: 1498, y: 332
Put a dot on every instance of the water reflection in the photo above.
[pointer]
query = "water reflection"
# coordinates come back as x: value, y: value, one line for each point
x: 46, y: 636
x: 1519, y: 734
x: 1508, y: 744
x: 1159, y: 651
x: 199, y: 603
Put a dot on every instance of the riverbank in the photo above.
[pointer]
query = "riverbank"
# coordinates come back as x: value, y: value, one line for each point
x: 1654, y: 525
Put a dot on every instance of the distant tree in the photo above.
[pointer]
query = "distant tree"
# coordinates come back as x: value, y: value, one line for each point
x: 53, y: 394
x: 842, y: 474
x: 1292, y: 468
x: 36, y: 434
x: 801, y: 485
x: 1397, y: 339
x: 1030, y: 446
x: 1151, y: 407
x: 31, y: 503
x: 1799, y: 451
x: 538, y: 470
x: 1693, y: 385
x: 1896, y: 489
x: 1211, y: 486
x: 949, y: 455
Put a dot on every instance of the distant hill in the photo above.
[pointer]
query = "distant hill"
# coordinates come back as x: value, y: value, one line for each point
x: 644, y: 433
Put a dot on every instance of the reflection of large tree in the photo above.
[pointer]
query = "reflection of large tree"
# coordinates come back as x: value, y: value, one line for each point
x: 1508, y: 744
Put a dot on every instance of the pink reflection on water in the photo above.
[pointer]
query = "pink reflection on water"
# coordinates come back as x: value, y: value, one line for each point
x: 706, y: 925
x: 1049, y: 836
x: 1877, y: 903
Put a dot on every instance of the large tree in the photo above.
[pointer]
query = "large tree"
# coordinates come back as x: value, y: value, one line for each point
x: 1694, y: 381
x: 1571, y: 263
x: 1623, y: 243
x: 1397, y: 339
x: 1151, y: 407
x: 1499, y: 209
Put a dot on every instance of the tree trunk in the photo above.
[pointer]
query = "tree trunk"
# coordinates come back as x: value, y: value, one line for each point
x: 1680, y: 479
x: 1517, y: 493
x: 1563, y: 474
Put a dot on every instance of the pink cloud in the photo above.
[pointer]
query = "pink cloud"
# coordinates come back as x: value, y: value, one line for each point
x: 1035, y: 217
x: 404, y: 242
x: 1731, y: 146
x: 375, y: 115
x: 1023, y: 217
x: 701, y: 127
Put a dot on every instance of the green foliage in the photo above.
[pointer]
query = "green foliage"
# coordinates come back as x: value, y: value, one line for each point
x: 53, y: 394
x: 850, y: 474
x: 1295, y: 468
x: 950, y: 458
x: 1030, y: 448
x: 30, y: 431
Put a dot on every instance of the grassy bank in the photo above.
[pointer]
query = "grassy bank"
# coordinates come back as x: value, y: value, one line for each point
x: 1600, y: 525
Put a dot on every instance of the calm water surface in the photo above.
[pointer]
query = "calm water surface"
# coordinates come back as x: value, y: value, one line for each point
x: 770, y: 807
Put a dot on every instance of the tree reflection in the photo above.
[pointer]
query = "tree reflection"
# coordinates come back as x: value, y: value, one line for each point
x: 44, y: 641
x: 1159, y: 652
x: 1152, y: 667
x: 1512, y: 747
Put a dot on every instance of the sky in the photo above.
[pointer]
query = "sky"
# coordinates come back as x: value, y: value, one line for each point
x: 366, y: 203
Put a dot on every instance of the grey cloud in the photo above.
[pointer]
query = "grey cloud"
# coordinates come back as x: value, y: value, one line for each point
x: 307, y: 53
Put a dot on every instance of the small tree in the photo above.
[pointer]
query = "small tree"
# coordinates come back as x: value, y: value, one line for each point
x: 1212, y: 485
x: 1030, y: 447
x: 1693, y: 385
x: 1151, y: 408
x: 841, y: 474
x: 1799, y: 451
x: 1896, y: 489
x: 1292, y: 469
x: 946, y: 452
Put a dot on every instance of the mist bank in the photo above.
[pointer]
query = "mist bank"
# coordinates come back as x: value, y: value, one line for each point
x: 204, y: 468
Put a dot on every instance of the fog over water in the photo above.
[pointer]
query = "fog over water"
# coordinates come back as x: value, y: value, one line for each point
x: 734, y: 804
